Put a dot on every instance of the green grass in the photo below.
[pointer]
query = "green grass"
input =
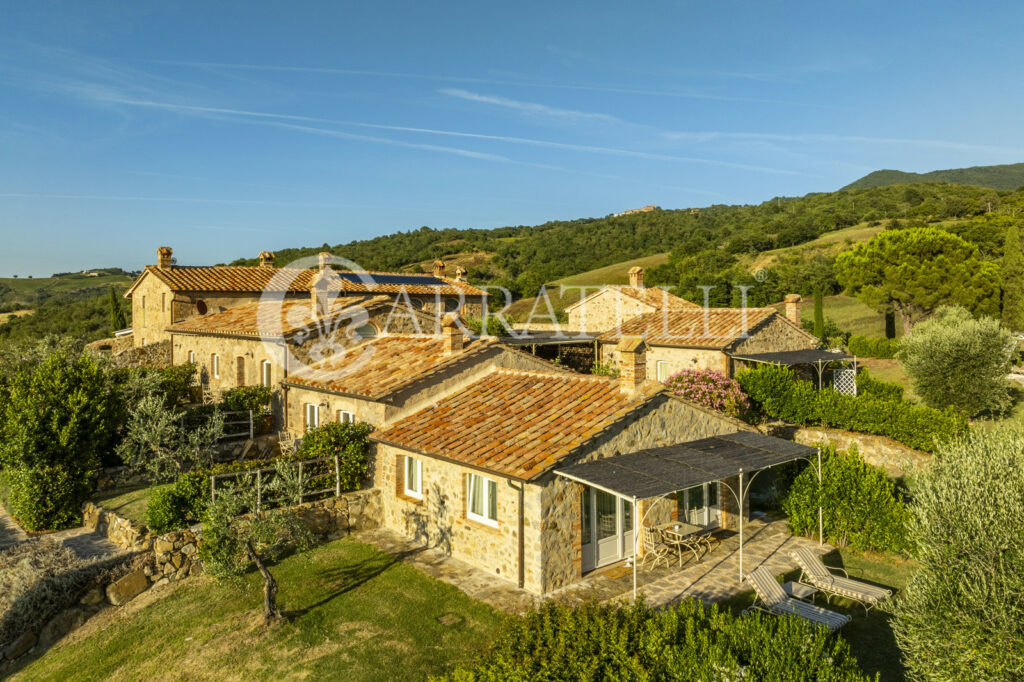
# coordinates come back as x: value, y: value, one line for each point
x: 849, y: 313
x: 617, y: 273
x: 870, y: 636
x: 830, y: 242
x: 356, y: 614
x: 127, y: 502
x: 64, y: 283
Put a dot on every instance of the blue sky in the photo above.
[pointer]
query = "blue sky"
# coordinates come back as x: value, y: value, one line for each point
x: 225, y: 128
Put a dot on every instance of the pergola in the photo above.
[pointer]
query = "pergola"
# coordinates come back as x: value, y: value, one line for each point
x: 662, y: 471
x: 815, y: 357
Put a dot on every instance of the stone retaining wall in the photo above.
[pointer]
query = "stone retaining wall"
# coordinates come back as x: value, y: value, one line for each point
x: 897, y: 459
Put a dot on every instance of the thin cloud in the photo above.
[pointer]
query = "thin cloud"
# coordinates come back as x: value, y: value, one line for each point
x: 531, y: 108
x: 187, y: 200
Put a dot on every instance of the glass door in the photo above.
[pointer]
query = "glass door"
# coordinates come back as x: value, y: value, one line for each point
x: 606, y: 518
x: 699, y: 505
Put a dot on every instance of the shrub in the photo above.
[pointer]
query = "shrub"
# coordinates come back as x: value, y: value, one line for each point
x: 686, y: 641
x: 962, y: 615
x: 861, y: 507
x: 495, y: 326
x: 873, y: 346
x: 605, y: 369
x: 166, y: 510
x: 348, y: 441
x: 957, y: 361
x: 777, y: 392
x: 244, y: 398
x: 710, y: 389
x: 46, y: 497
x: 868, y: 385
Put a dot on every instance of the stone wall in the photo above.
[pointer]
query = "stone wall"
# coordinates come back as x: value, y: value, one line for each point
x: 112, y: 344
x: 897, y: 459
x: 151, y: 355
x: 605, y: 310
x: 119, y: 477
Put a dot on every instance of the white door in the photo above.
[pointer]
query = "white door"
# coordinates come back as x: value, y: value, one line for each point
x: 606, y: 525
x: 607, y: 520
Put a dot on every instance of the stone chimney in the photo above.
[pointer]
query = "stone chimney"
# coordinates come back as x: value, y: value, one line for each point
x: 319, y: 290
x: 793, y: 308
x: 439, y: 268
x: 164, y: 257
x: 266, y: 259
x: 452, y: 335
x: 632, y: 364
x: 636, y: 277
x: 460, y: 274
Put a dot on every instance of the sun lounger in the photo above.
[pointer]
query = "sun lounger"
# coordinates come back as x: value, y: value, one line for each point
x: 775, y: 601
x: 817, y: 574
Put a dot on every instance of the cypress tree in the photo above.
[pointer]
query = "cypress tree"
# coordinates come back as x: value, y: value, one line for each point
x: 117, y: 318
x: 890, y: 324
x: 819, y: 313
x: 1012, y: 281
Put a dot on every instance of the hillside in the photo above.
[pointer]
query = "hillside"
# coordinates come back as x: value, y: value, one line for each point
x: 1009, y: 176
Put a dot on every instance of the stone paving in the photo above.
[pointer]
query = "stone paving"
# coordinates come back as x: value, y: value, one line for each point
x: 83, y: 542
x: 714, y: 578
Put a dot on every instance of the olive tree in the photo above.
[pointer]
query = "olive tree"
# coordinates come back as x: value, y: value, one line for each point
x: 166, y: 443
x: 962, y: 615
x: 956, y: 360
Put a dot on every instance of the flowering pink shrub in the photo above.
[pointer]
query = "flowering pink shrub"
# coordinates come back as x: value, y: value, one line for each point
x: 711, y: 389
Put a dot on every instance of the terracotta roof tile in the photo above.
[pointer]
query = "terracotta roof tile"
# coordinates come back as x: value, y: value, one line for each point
x: 246, y: 319
x: 516, y: 423
x: 699, y: 327
x: 248, y: 279
x: 384, y: 365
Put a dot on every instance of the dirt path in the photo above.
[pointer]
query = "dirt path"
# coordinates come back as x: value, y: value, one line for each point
x: 84, y: 543
x: 10, y: 532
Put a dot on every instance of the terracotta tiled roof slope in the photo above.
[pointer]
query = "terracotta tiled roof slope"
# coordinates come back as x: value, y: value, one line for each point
x: 384, y: 365
x: 656, y: 297
x: 245, y: 279
x: 695, y: 328
x: 296, y: 315
x: 514, y: 422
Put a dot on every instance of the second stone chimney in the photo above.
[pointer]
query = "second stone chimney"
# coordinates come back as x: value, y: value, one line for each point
x: 320, y: 289
x: 632, y: 364
x: 266, y: 259
x: 793, y: 308
x: 460, y: 274
x: 636, y: 277
x: 164, y: 257
x: 452, y: 335
x: 439, y: 268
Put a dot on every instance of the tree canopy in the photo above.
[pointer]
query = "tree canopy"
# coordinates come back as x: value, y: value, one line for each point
x: 914, y: 271
x: 1013, y: 281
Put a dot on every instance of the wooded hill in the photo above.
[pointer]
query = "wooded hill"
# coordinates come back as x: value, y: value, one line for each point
x: 1009, y: 176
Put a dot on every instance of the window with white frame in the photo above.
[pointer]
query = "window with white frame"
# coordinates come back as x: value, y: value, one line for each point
x: 663, y: 370
x: 266, y: 373
x: 192, y: 357
x: 482, y: 499
x: 345, y: 417
x: 215, y: 366
x: 312, y: 416
x: 414, y: 477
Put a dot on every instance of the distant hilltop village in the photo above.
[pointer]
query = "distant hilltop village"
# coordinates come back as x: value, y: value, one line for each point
x: 646, y: 209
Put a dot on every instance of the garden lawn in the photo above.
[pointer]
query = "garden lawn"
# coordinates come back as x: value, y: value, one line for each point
x: 871, y: 638
x: 356, y: 614
x: 127, y: 502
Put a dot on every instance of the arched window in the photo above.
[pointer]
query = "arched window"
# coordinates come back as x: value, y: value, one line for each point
x: 215, y: 366
x: 267, y: 373
x: 451, y: 305
x: 365, y: 331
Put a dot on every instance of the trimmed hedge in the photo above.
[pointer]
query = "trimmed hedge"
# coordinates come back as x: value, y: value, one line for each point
x: 46, y: 497
x: 861, y: 506
x: 686, y: 641
x: 873, y: 346
x: 782, y: 396
x: 867, y: 384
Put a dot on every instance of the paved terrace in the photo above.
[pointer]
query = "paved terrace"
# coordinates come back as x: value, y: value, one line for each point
x: 712, y: 579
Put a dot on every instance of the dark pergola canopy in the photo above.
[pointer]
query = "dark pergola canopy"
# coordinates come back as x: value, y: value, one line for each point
x: 661, y: 471
x: 810, y: 356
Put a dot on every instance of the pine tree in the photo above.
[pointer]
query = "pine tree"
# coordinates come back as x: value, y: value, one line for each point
x: 117, y: 317
x: 819, y: 313
x: 890, y: 324
x: 1012, y: 280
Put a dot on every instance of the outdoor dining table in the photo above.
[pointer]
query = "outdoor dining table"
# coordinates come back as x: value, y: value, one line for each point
x: 677, y: 535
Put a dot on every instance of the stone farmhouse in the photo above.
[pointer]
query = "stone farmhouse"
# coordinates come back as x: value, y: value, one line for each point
x: 474, y: 472
x: 167, y: 293
x: 245, y: 345
x: 612, y: 305
x: 385, y: 378
x: 708, y: 338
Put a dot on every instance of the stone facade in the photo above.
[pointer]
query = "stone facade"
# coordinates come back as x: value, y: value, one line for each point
x: 409, y: 399
x: 897, y: 459
x: 603, y: 310
x: 550, y: 504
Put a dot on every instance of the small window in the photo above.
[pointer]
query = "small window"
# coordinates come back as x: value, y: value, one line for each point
x: 414, y: 477
x: 451, y: 305
x: 163, y: 303
x: 266, y: 373
x: 482, y: 499
x: 312, y: 416
x: 664, y: 371
x: 192, y: 357
x: 201, y: 307
x: 345, y: 417
x: 143, y: 311
x: 366, y: 331
x: 215, y: 366
x: 240, y: 371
